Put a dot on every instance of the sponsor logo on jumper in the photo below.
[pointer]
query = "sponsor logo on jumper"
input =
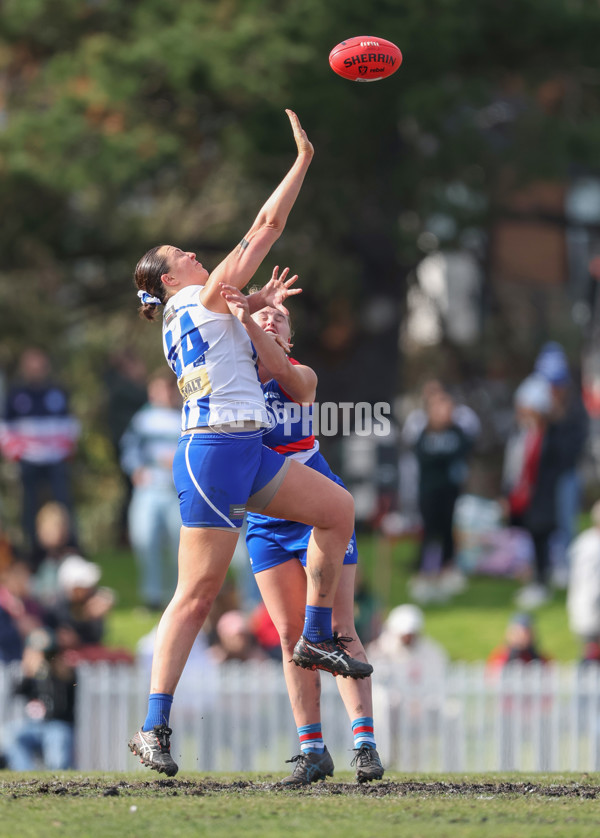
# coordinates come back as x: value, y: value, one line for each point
x: 194, y: 384
x: 236, y: 510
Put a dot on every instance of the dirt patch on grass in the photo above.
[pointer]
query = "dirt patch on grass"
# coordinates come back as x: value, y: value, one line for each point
x: 94, y: 787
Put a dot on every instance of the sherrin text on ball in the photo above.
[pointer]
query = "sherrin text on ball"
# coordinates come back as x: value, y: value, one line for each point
x: 365, y: 58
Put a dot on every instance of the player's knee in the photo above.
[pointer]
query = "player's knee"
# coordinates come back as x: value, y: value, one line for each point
x: 343, y: 511
x: 193, y: 605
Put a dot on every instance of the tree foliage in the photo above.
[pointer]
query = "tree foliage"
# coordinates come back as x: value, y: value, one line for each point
x: 128, y: 123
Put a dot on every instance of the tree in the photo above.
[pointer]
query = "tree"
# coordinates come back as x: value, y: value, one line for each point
x: 125, y: 124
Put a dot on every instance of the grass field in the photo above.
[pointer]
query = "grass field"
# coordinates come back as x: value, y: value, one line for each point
x: 452, y: 806
x: 469, y: 626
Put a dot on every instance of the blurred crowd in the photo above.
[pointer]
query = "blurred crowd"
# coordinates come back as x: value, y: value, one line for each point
x: 50, y: 622
x: 531, y: 526
x: 53, y: 608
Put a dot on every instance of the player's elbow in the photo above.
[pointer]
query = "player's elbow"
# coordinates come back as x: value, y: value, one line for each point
x: 273, y: 224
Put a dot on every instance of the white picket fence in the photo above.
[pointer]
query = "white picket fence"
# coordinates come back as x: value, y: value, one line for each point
x: 237, y: 718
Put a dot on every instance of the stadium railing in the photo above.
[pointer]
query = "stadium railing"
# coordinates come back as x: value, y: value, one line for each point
x: 236, y: 717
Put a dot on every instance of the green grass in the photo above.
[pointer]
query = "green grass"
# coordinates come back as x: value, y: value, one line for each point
x: 469, y: 626
x: 76, y: 805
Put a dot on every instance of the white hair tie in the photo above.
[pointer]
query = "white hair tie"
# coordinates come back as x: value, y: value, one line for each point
x: 148, y: 300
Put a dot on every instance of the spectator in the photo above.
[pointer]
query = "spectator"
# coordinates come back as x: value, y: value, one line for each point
x: 403, y: 644
x: 47, y: 732
x: 39, y: 433
x: 147, y: 449
x: 8, y: 551
x: 532, y: 403
x: 78, y: 617
x: 567, y: 433
x: 583, y: 596
x: 53, y: 532
x: 517, y: 706
x: 235, y: 640
x: 410, y: 671
x: 126, y: 392
x: 441, y: 450
x: 19, y: 612
x: 531, y: 468
x: 414, y: 425
x: 416, y: 421
x: 520, y: 644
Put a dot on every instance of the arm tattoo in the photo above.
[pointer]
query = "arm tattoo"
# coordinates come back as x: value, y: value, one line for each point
x: 244, y: 244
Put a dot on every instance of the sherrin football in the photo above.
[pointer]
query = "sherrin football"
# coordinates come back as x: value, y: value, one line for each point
x: 365, y: 58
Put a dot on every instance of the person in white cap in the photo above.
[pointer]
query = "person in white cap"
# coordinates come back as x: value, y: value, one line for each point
x: 403, y: 643
x: 78, y: 617
x: 76, y: 572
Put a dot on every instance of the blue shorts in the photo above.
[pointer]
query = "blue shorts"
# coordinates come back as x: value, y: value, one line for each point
x: 216, y: 474
x: 273, y: 541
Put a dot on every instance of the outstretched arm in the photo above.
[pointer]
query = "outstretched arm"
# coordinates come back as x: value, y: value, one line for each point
x: 299, y: 381
x: 241, y: 264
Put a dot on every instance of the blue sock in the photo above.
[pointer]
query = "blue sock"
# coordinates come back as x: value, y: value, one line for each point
x: 317, y: 623
x: 311, y: 738
x: 362, y: 731
x: 159, y: 709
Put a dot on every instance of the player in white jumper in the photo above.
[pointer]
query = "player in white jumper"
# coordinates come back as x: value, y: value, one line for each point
x: 221, y: 467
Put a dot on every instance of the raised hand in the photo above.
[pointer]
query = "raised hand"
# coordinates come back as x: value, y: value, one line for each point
x: 278, y: 289
x: 303, y: 144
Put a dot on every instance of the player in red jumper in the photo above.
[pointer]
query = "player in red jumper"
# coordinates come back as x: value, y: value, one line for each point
x: 278, y: 553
